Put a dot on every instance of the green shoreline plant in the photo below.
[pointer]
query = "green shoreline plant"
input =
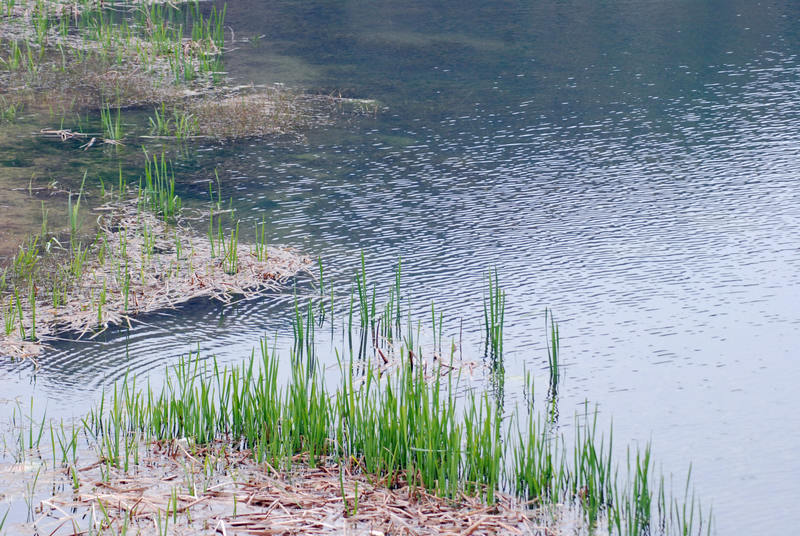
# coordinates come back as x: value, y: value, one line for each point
x: 399, y: 426
x: 407, y: 422
x: 396, y: 417
x: 107, y: 57
x: 159, y: 36
x: 138, y: 258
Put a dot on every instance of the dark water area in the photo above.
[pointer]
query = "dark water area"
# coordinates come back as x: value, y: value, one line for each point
x: 631, y: 165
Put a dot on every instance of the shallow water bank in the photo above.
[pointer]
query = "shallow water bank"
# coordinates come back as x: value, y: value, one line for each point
x: 136, y: 264
x: 641, y: 181
x: 412, y: 427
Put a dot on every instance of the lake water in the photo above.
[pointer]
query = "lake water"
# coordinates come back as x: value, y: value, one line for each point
x: 634, y: 166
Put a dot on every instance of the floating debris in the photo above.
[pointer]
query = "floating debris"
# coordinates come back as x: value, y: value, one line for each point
x: 244, y: 497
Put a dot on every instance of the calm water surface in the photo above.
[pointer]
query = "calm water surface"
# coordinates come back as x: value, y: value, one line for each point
x: 632, y: 165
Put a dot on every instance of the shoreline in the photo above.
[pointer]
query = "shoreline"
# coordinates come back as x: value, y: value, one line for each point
x: 398, y: 450
x: 279, y: 458
x: 136, y: 264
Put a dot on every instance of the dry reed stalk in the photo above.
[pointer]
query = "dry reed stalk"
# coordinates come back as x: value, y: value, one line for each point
x: 247, y: 498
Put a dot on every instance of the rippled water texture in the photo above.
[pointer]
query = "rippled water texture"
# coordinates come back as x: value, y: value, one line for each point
x: 632, y: 165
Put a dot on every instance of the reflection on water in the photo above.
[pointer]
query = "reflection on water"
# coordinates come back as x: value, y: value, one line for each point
x: 631, y: 165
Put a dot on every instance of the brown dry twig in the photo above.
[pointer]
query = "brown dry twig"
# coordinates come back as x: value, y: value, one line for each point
x: 243, y: 497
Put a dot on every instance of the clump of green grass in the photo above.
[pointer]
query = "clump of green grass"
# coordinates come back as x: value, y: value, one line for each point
x: 10, y: 317
x: 180, y: 124
x: 230, y: 249
x: 494, y: 306
x: 185, y: 124
x: 14, y: 60
x: 9, y: 110
x: 157, y: 194
x: 112, y: 124
x: 411, y: 425
x: 159, y: 122
x: 225, y: 249
x: 26, y: 261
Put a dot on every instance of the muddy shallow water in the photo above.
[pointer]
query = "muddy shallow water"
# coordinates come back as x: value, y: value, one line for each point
x: 633, y: 167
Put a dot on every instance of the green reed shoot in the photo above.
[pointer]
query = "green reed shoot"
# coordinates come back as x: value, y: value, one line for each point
x: 10, y: 317
x: 210, y: 28
x: 41, y: 23
x: 9, y: 110
x: 73, y: 212
x: 34, y: 443
x: 160, y: 124
x: 211, y: 230
x: 494, y: 305
x: 553, y: 351
x: 229, y: 249
x: 43, y: 232
x: 158, y: 194
x: 100, y: 304
x: 19, y: 313
x: 78, y: 259
x: 26, y: 260
x: 185, y: 124
x: 14, y: 60
x: 112, y: 124
x: 126, y: 286
x: 30, y: 64
x: 367, y: 306
x: 341, y: 490
x: 261, y: 242
x: 32, y: 301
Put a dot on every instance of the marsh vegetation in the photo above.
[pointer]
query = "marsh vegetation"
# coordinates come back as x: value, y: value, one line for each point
x: 403, y: 441
x: 60, y: 59
x: 141, y: 256
x: 401, y: 435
